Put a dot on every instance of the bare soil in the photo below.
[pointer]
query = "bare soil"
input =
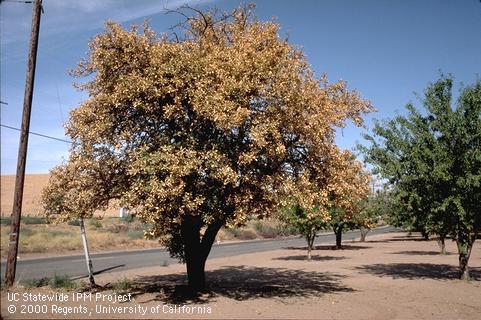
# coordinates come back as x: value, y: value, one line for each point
x: 388, y: 277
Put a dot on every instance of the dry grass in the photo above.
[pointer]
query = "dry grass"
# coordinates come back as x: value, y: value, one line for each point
x: 256, y: 229
x: 112, y: 234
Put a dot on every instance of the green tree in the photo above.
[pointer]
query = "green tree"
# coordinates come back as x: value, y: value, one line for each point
x: 304, y: 223
x: 196, y: 130
x: 370, y: 210
x: 433, y: 161
x: 402, y: 215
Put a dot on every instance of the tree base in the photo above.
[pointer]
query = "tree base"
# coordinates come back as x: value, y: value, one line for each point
x: 466, y: 276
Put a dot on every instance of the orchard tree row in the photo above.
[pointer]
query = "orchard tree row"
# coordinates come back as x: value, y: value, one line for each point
x: 351, y: 205
x: 431, y: 159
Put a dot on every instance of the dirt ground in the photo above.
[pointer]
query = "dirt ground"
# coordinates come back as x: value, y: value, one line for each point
x: 388, y: 277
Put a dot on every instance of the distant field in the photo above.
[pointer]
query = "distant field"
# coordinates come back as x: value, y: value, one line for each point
x: 31, y: 206
x: 34, y: 183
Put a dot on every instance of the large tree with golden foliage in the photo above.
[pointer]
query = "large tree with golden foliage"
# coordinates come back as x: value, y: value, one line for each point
x: 198, y: 131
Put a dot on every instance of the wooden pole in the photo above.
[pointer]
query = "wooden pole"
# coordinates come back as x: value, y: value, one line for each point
x: 22, y: 150
x: 86, y: 252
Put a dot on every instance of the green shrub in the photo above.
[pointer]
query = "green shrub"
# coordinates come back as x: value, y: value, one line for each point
x: 140, y: 226
x: 246, y: 234
x: 117, y: 228
x: 27, y: 232
x: 62, y: 282
x: 135, y: 234
x: 34, y: 283
x: 37, y: 247
x: 24, y: 219
x: 122, y: 285
x: 241, y: 233
x: 287, y: 230
x: 60, y: 233
x: 6, y: 220
x: 75, y: 222
x: 234, y: 232
x: 96, y: 223
x: 128, y: 218
x: 266, y: 230
x: 33, y: 220
x: 273, y: 229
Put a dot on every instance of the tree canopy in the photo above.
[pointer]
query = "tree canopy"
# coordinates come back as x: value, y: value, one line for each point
x: 199, y: 129
x: 432, y: 159
x: 343, y: 185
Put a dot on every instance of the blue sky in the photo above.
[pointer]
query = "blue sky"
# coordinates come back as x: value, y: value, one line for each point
x: 387, y: 50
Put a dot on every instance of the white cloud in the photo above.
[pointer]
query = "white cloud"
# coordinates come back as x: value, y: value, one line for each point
x: 64, y: 31
x: 64, y: 16
x: 85, y: 6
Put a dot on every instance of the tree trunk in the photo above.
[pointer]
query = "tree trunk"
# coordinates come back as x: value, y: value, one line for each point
x: 465, y: 245
x: 425, y: 234
x: 364, y: 232
x: 309, y: 250
x: 338, y: 232
x: 196, y: 274
x: 190, y: 230
x: 310, y: 244
x: 442, y: 244
x: 196, y: 249
x: 338, y: 239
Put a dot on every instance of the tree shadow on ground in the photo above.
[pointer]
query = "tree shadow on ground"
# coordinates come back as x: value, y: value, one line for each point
x: 313, y: 258
x: 400, y: 238
x: 242, y: 283
x: 330, y: 247
x: 414, y: 271
x: 99, y: 271
x: 422, y: 253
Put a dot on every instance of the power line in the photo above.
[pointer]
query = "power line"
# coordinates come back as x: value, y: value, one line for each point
x: 60, y: 104
x: 36, y: 134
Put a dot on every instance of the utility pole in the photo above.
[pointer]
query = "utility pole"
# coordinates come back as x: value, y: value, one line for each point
x: 22, y: 150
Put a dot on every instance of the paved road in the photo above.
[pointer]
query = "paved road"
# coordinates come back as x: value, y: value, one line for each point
x: 122, y: 260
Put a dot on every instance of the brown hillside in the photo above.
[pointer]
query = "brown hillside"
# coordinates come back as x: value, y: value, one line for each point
x: 34, y: 183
